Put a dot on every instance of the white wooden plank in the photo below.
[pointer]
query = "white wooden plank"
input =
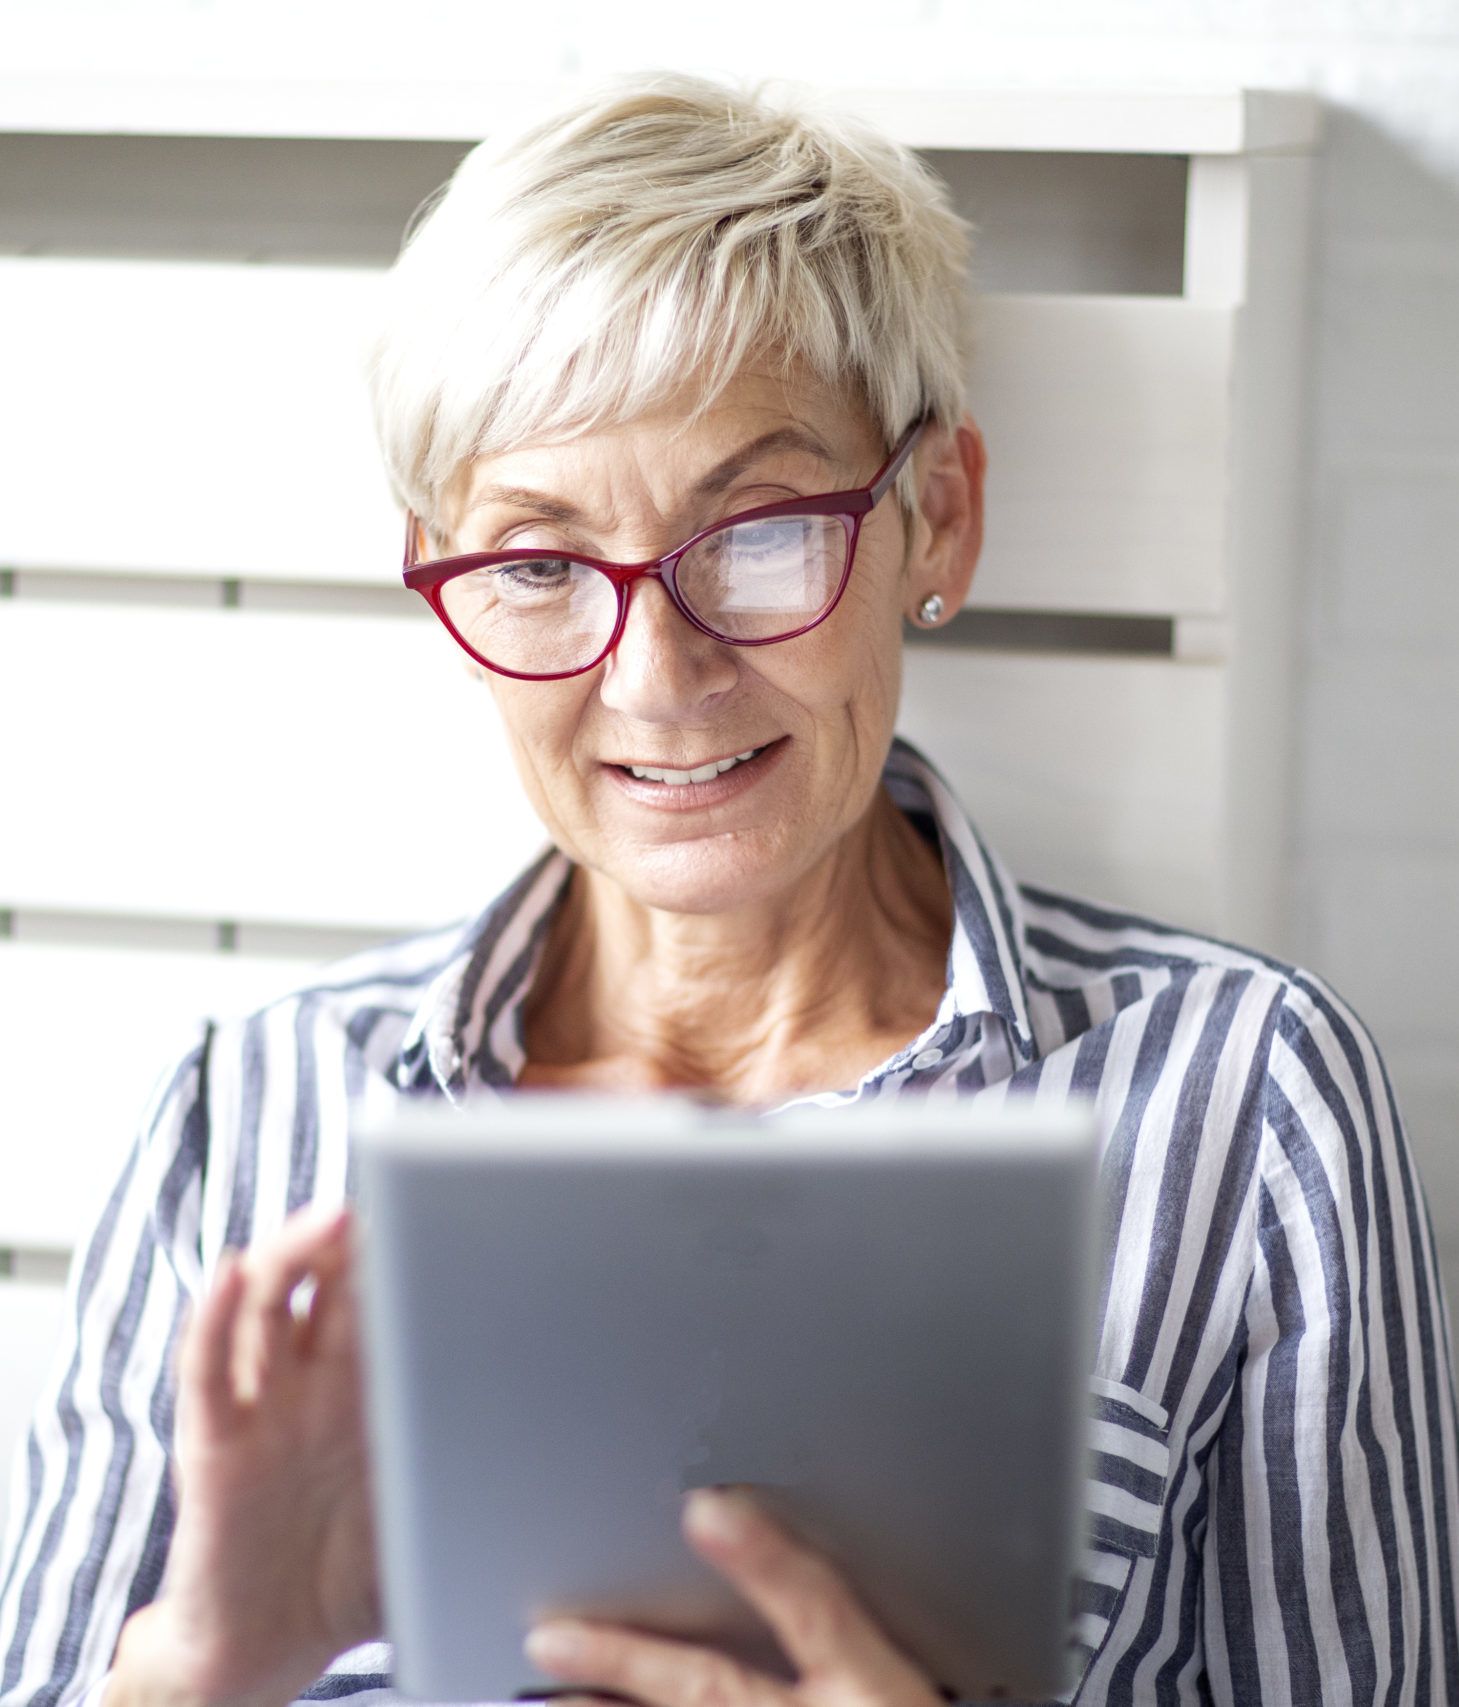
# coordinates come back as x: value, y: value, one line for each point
x: 194, y: 419
x: 87, y: 1033
x: 1217, y: 229
x: 1107, y: 425
x: 1100, y: 121
x: 1152, y: 121
x: 1096, y: 776
x: 240, y: 765
x: 1268, y: 488
x: 230, y: 406
x: 30, y: 1325
x: 191, y: 790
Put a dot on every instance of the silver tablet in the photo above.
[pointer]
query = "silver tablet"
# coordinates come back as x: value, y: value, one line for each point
x: 577, y: 1309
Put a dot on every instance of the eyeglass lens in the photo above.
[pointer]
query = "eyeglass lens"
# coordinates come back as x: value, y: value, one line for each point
x: 751, y: 581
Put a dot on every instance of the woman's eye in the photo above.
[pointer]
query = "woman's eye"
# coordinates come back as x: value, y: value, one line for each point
x: 765, y: 542
x: 535, y: 574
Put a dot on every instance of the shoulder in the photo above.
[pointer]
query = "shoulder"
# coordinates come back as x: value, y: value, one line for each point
x: 377, y: 991
x: 1215, y: 1007
x: 361, y: 1006
x: 1235, y: 1090
x: 1073, y: 943
x: 251, y: 1121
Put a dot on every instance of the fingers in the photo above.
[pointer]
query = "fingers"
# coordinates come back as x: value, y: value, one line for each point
x: 608, y: 1658
x: 329, y: 1329
x: 311, y: 1246
x: 205, y: 1362
x: 311, y: 1243
x: 838, y: 1651
x: 815, y: 1616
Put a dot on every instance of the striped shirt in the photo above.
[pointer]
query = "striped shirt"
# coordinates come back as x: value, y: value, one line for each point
x: 1273, y: 1478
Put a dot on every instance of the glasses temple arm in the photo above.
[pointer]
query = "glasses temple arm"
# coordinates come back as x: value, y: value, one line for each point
x: 893, y: 465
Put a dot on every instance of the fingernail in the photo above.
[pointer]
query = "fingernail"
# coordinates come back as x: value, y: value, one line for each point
x: 716, y: 1514
x: 555, y: 1647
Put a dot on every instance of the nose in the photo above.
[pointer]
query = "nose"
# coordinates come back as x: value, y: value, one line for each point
x: 663, y: 669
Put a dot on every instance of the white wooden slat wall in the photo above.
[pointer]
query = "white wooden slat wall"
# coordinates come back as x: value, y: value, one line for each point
x: 237, y: 764
x: 1100, y: 765
x: 234, y: 764
x: 1107, y: 421
x: 1105, y: 768
x: 226, y: 407
x: 311, y: 769
x: 99, y: 1025
x: 229, y: 725
x: 191, y: 419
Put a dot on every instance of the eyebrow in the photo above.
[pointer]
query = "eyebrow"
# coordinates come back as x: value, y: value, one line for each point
x: 710, y: 484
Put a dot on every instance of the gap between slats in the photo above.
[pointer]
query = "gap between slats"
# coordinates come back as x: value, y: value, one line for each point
x: 1117, y: 634
x: 309, y: 944
x: 39, y: 1267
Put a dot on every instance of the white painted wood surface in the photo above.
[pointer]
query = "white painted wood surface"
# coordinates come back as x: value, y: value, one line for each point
x: 370, y: 785
x: 87, y: 1032
x: 1154, y: 121
x: 1096, y: 776
x: 231, y: 764
x: 1268, y: 384
x: 30, y: 1323
x: 191, y: 419
x: 1108, y: 426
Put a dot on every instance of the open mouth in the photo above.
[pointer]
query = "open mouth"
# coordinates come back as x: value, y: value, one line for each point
x: 701, y: 773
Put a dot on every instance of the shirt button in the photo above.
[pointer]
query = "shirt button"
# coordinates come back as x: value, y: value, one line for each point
x: 928, y: 1058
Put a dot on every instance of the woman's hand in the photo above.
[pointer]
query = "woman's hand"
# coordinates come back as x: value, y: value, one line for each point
x: 843, y: 1660
x: 272, y: 1568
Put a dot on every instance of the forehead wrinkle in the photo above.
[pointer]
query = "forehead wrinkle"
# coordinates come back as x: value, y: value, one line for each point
x: 526, y: 498
x: 711, y: 484
x: 724, y: 474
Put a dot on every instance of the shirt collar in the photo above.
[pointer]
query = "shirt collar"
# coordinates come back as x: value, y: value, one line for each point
x: 469, y: 1024
x: 985, y: 972
x: 468, y: 1029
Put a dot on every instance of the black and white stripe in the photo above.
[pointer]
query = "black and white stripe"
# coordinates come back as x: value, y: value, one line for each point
x: 1273, y: 1508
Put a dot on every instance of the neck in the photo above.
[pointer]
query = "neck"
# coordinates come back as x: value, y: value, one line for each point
x: 804, y: 991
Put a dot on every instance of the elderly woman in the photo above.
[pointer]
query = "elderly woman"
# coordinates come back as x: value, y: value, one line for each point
x: 672, y: 388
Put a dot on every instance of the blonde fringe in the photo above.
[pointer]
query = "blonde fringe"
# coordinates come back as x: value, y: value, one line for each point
x: 658, y: 236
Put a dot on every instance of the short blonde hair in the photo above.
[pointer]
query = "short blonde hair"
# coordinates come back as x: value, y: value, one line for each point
x: 668, y: 229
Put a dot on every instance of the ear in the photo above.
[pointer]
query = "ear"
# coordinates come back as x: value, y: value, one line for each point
x: 431, y: 540
x: 950, y: 467
x: 417, y: 546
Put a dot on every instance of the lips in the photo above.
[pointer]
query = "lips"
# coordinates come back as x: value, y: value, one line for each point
x: 697, y: 788
x: 701, y: 773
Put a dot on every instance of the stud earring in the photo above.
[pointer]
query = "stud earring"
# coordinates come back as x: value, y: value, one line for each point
x: 930, y: 610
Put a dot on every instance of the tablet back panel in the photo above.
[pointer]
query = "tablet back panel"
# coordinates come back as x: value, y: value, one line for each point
x: 578, y: 1310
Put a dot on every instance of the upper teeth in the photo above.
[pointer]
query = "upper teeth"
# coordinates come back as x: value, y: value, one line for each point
x: 700, y: 773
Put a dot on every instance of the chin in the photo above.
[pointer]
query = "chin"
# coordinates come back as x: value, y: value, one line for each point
x: 718, y: 875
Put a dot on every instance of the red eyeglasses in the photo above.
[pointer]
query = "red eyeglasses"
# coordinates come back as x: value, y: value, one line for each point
x: 764, y: 575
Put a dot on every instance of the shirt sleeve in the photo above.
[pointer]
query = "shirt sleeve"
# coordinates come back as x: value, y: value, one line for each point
x: 1329, y: 1566
x: 96, y: 1512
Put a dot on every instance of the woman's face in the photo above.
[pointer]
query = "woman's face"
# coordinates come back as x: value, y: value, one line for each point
x: 817, y: 712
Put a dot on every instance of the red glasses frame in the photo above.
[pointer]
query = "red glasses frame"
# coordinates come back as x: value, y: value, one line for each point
x: 850, y: 508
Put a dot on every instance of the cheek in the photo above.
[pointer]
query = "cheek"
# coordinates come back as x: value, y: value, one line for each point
x: 857, y: 666
x: 540, y: 720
